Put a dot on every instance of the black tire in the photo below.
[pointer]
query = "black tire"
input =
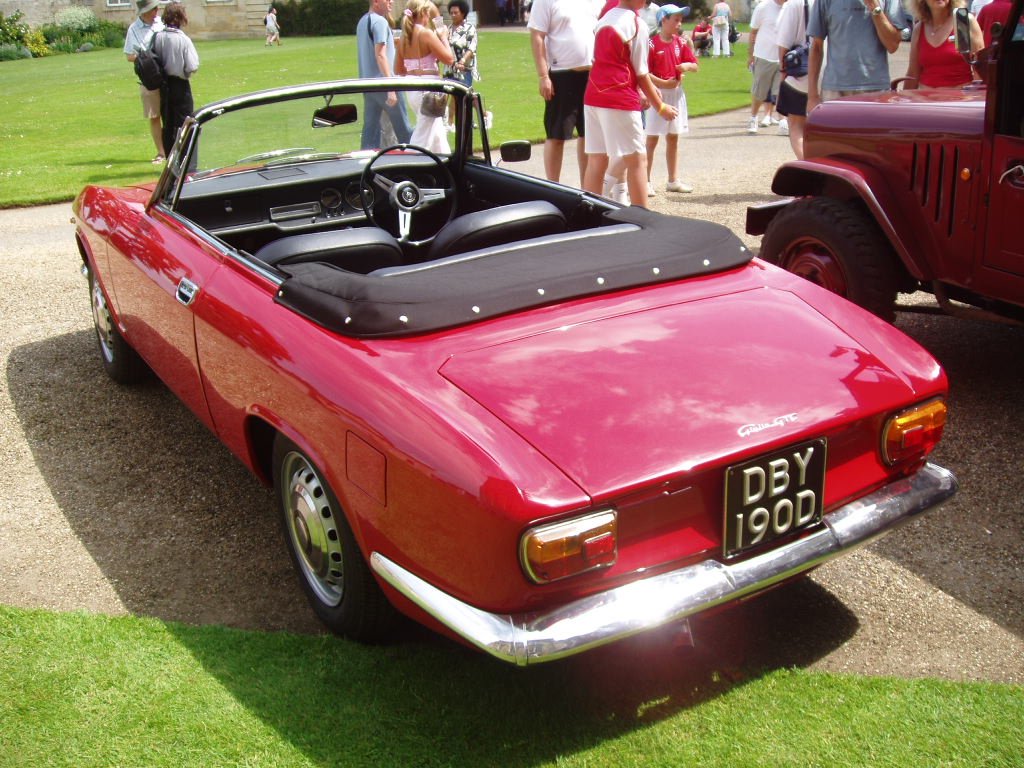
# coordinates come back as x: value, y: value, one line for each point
x: 837, y: 246
x: 120, y: 361
x: 332, y: 571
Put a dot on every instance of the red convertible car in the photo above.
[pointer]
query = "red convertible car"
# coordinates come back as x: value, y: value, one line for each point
x: 517, y: 412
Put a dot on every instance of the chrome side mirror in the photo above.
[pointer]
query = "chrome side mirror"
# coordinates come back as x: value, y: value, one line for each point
x: 962, y: 27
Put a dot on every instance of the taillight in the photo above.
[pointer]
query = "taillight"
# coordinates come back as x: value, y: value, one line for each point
x: 913, y: 433
x: 557, y: 550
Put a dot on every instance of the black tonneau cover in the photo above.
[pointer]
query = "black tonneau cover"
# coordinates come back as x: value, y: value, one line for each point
x: 501, y: 280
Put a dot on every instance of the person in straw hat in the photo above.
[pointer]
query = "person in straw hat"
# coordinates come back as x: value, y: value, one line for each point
x: 140, y: 36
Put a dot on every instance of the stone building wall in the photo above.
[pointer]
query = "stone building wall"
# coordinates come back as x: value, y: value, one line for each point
x: 207, y: 19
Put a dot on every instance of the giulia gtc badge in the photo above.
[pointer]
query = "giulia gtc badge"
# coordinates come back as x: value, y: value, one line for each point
x: 752, y: 429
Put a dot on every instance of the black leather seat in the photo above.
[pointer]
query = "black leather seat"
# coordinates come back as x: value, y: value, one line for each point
x: 497, y: 226
x: 359, y: 250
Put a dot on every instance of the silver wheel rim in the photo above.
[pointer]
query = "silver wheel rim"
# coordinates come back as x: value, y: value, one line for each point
x: 312, y: 529
x: 103, y: 322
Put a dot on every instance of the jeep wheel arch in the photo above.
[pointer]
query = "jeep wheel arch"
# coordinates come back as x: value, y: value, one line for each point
x: 837, y: 246
x: 826, y: 179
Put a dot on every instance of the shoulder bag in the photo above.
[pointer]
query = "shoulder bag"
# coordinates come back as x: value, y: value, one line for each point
x: 794, y: 63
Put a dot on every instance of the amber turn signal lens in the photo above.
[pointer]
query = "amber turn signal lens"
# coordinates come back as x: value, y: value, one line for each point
x: 557, y: 550
x: 913, y: 433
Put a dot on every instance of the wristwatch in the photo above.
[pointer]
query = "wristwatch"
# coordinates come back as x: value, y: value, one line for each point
x: 876, y: 11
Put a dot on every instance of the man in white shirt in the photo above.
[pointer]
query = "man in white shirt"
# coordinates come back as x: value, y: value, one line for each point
x: 140, y: 36
x: 763, y: 60
x: 562, y: 42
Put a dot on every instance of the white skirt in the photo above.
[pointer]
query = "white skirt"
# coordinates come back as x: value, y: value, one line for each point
x: 429, y: 132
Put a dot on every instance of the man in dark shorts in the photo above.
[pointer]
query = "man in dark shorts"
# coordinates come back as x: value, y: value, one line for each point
x: 562, y: 41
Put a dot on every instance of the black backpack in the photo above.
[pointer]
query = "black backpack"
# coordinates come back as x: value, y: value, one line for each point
x: 148, y: 68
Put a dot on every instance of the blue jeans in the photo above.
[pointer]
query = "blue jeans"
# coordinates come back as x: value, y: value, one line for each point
x: 375, y: 104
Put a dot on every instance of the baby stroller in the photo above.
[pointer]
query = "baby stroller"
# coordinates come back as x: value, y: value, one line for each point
x: 734, y: 33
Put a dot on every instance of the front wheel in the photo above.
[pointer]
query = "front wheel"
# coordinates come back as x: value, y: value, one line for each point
x: 333, y: 573
x: 837, y: 246
x: 120, y: 361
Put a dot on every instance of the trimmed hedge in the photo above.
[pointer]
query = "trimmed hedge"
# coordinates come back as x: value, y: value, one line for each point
x: 320, y: 17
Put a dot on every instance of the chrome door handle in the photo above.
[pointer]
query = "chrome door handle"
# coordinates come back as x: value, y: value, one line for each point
x: 1015, y: 171
x: 187, y: 291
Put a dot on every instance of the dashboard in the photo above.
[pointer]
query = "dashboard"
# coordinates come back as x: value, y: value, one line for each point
x: 293, y: 198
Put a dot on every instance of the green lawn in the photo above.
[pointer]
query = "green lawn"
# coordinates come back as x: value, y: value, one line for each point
x: 79, y: 690
x: 76, y: 120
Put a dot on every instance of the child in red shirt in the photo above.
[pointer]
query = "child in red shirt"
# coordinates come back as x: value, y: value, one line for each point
x: 670, y: 58
x: 612, y: 104
x: 702, y: 37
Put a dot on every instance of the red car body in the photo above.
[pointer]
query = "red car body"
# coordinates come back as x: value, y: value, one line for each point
x: 447, y: 447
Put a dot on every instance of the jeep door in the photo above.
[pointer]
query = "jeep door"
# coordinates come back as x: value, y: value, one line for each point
x: 1004, y: 248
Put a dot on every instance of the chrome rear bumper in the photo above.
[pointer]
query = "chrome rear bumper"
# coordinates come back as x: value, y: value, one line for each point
x: 653, y: 602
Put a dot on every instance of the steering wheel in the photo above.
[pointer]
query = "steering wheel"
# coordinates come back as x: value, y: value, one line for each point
x: 404, y: 196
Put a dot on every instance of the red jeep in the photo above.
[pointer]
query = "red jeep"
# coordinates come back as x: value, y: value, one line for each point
x: 912, y: 190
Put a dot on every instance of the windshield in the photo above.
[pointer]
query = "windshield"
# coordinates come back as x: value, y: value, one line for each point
x: 272, y: 132
x: 318, y: 127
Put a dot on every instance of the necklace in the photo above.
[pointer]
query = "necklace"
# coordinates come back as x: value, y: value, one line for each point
x: 938, y: 32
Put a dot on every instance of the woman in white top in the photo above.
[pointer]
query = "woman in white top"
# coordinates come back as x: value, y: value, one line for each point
x: 721, y: 15
x: 423, y: 45
x: 273, y: 28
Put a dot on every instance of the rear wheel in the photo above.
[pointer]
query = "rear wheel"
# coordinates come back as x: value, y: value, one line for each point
x: 120, y: 361
x: 333, y: 573
x: 837, y: 246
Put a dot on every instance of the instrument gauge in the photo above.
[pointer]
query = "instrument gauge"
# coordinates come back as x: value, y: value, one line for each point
x: 353, y: 198
x: 331, y: 199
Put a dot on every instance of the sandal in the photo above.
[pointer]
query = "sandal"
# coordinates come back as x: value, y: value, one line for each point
x: 158, y: 160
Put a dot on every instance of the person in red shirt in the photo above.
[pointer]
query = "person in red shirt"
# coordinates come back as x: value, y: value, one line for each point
x: 669, y: 60
x: 702, y: 37
x: 996, y: 11
x: 934, y: 59
x: 612, y: 102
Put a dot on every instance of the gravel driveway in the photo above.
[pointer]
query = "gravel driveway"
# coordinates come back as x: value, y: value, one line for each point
x: 117, y: 500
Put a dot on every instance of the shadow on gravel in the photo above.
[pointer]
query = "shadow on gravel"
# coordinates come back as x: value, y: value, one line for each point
x: 179, y: 526
x: 184, y: 533
x: 973, y: 548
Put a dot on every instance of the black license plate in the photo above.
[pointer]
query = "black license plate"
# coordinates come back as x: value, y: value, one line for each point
x: 773, y: 496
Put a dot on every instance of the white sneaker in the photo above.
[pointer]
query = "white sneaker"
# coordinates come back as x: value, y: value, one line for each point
x: 752, y: 126
x: 783, y: 127
x: 651, y: 191
x: 620, y: 193
x: 678, y: 186
x: 767, y: 122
